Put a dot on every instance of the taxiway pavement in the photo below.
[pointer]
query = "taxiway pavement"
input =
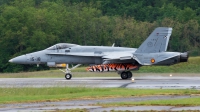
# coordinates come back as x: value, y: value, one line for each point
x: 138, y: 82
x: 149, y: 82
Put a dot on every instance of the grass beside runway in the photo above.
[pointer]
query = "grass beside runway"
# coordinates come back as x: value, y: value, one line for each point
x: 191, y: 67
x: 47, y: 94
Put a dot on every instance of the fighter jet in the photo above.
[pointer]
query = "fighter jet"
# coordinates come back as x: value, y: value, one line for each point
x: 108, y: 58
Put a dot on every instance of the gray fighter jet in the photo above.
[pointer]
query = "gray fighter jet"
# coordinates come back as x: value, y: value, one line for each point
x: 108, y: 58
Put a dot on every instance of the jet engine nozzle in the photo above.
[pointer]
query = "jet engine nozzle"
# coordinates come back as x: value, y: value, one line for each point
x: 184, y: 57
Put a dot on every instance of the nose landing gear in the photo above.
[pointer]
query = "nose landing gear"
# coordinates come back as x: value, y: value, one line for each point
x: 67, y: 71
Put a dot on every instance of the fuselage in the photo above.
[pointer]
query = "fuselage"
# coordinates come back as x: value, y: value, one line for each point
x: 109, y: 58
x: 70, y: 55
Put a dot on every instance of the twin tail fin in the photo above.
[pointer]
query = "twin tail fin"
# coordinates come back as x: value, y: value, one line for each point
x: 157, y: 41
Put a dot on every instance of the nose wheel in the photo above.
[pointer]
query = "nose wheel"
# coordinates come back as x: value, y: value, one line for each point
x: 68, y: 76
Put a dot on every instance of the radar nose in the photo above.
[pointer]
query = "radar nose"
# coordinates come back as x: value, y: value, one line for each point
x: 18, y: 60
x: 11, y: 60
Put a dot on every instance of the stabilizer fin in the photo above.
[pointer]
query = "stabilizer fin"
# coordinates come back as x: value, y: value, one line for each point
x: 157, y: 41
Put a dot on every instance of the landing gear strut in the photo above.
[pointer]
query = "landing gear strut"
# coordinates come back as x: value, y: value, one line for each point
x: 126, y: 75
x: 67, y: 71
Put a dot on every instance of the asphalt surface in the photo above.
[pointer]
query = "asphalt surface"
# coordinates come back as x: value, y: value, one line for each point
x: 138, y: 82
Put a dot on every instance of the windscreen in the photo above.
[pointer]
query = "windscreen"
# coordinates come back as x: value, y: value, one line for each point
x: 61, y: 46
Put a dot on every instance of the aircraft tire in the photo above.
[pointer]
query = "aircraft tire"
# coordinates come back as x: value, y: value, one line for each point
x: 129, y: 74
x: 68, y: 76
x: 124, y: 75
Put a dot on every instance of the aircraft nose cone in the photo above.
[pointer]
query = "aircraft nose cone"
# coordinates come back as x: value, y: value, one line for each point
x: 18, y: 60
x: 11, y: 60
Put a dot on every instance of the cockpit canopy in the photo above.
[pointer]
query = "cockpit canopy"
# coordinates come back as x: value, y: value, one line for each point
x: 61, y: 46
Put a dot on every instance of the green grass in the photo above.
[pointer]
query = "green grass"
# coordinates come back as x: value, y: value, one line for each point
x: 192, y: 66
x: 14, y: 95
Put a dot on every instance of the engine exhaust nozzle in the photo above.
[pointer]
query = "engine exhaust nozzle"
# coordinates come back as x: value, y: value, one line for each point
x: 184, y: 57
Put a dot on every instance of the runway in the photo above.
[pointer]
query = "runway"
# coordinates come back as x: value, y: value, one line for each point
x: 147, y: 82
x: 138, y: 82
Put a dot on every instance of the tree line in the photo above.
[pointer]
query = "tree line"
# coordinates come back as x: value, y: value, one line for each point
x: 30, y: 25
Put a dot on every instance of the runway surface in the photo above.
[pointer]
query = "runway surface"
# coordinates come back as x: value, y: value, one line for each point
x: 138, y: 82
x: 148, y: 82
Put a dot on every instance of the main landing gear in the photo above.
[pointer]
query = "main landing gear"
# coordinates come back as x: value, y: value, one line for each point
x: 126, y: 75
x: 67, y: 71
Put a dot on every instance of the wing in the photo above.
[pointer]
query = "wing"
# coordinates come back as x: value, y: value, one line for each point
x: 119, y: 57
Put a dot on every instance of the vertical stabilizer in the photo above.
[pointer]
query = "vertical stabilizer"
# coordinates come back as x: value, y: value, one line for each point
x: 157, y: 41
